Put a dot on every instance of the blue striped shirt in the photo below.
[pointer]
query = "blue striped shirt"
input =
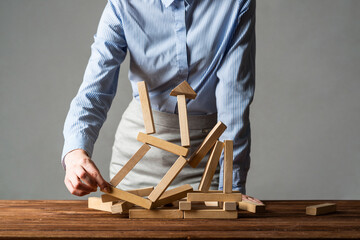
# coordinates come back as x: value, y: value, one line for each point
x: 210, y: 44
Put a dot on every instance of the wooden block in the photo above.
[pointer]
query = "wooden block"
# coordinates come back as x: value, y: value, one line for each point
x: 211, y: 204
x: 183, y: 121
x: 228, y: 166
x: 184, y: 89
x: 210, y: 168
x: 184, y: 206
x: 162, y: 144
x: 156, y: 213
x: 121, y: 207
x: 130, y: 164
x: 130, y: 197
x: 146, y: 108
x: 142, y: 192
x: 321, y: 209
x: 96, y: 203
x: 229, y: 206
x: 172, y: 195
x: 251, y: 206
x: 207, y: 144
x: 220, y: 197
x: 211, y: 213
x: 167, y: 179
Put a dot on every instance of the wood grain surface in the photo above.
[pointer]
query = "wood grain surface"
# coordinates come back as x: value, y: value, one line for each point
x: 49, y: 219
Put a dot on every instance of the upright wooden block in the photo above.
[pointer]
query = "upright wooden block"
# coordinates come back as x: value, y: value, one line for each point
x: 229, y: 206
x: 162, y: 144
x: 210, y: 168
x: 184, y: 89
x: 251, y: 206
x: 184, y: 206
x: 183, y: 121
x: 172, y: 195
x: 156, y: 213
x: 207, y: 144
x: 142, y: 192
x: 146, y: 108
x: 167, y: 179
x: 321, y: 209
x: 130, y: 197
x: 130, y: 164
x: 211, y: 213
x: 228, y: 166
x: 96, y: 203
x: 209, y: 197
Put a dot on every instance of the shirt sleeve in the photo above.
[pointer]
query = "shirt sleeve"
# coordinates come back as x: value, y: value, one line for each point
x: 88, y: 110
x: 235, y: 91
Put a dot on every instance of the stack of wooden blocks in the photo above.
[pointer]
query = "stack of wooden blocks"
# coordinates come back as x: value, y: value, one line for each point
x: 183, y: 201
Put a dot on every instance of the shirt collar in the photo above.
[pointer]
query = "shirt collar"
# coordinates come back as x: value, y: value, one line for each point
x: 167, y: 3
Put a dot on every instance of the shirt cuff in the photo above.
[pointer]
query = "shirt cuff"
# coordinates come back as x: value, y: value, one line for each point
x: 76, y: 142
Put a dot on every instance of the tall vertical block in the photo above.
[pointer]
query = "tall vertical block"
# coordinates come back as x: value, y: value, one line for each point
x: 146, y: 108
x: 183, y: 121
x: 228, y: 166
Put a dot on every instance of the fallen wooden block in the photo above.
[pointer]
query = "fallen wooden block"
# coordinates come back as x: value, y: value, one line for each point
x: 142, y: 192
x: 207, y: 144
x: 250, y: 206
x: 228, y: 166
x: 184, y: 89
x: 210, y: 168
x: 162, y: 144
x: 146, y: 108
x: 321, y: 209
x: 219, y: 197
x: 172, y: 195
x: 96, y: 203
x: 167, y: 179
x: 156, y: 213
x: 211, y: 213
x: 183, y: 121
x: 121, y: 207
x: 130, y: 164
x: 229, y: 206
x: 130, y: 197
x: 184, y: 205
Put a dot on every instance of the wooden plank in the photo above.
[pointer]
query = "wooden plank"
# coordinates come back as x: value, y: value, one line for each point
x: 184, y: 89
x: 250, y: 206
x: 146, y: 108
x: 121, y: 207
x: 207, y: 144
x: 220, y: 197
x: 210, y: 168
x: 172, y: 195
x: 228, y: 166
x: 96, y: 203
x: 184, y: 205
x: 162, y: 144
x: 142, y: 192
x: 212, y: 204
x: 229, y: 206
x: 130, y: 197
x: 130, y: 164
x: 156, y: 213
x: 167, y: 179
x: 211, y: 213
x: 321, y: 209
x: 183, y: 121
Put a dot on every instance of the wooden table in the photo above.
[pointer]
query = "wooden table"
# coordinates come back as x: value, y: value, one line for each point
x: 73, y: 220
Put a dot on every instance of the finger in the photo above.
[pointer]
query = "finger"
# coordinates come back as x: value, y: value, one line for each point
x: 72, y: 190
x: 78, y: 185
x: 86, y: 178
x: 95, y: 173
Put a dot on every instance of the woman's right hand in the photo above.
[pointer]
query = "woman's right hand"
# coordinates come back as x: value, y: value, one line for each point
x: 82, y: 176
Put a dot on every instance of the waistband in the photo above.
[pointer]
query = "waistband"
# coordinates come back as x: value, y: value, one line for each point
x: 196, y: 122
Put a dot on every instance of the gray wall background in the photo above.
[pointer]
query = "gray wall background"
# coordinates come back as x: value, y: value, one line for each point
x: 305, y: 116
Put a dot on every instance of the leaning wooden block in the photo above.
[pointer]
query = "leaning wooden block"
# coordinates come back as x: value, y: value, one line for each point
x: 146, y: 108
x: 210, y: 168
x: 121, y: 207
x: 220, y: 197
x: 211, y: 213
x: 207, y: 144
x: 183, y: 121
x: 172, y: 195
x: 156, y: 213
x: 130, y: 197
x: 251, y: 206
x: 229, y: 206
x: 321, y: 209
x: 142, y: 192
x: 228, y: 166
x: 130, y: 164
x: 168, y: 178
x: 184, y: 206
x: 184, y: 89
x: 96, y: 203
x: 162, y: 144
